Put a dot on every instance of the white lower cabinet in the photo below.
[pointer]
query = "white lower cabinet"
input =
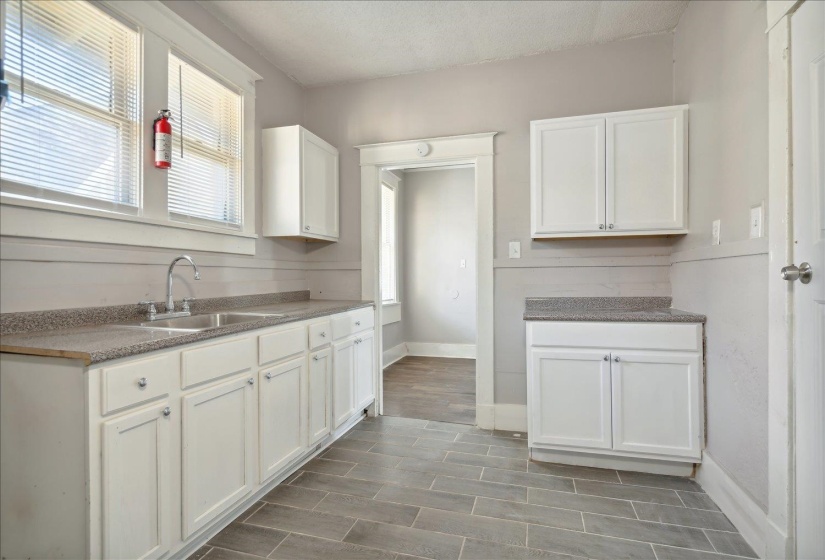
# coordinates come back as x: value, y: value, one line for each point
x: 137, y: 485
x: 320, y: 394
x: 282, y: 406
x: 628, y: 390
x: 219, y: 447
x: 343, y: 381
x: 365, y: 370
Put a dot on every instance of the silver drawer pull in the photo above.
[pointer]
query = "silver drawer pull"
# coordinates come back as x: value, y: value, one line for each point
x: 323, y: 335
x: 143, y: 382
x: 616, y: 359
x: 316, y: 358
x: 251, y: 381
x: 167, y: 411
x: 269, y: 376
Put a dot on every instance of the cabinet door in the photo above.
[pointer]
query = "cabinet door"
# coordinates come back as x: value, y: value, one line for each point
x: 570, y: 398
x: 219, y: 435
x: 137, y: 484
x: 364, y: 370
x: 646, y: 170
x: 567, y: 176
x: 343, y: 381
x: 282, y: 406
x: 656, y: 406
x: 320, y: 409
x: 319, y: 168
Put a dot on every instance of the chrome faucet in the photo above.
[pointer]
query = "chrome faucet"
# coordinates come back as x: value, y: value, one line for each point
x: 170, y: 303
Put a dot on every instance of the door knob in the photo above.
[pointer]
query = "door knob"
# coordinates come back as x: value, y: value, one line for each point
x: 803, y: 273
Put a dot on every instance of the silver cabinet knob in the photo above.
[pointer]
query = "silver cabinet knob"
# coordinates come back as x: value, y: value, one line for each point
x: 268, y: 376
x: 357, y: 323
x: 143, y: 382
x: 616, y: 359
x: 607, y: 358
x: 251, y: 381
x: 167, y: 411
x: 601, y: 226
x: 804, y: 273
x: 316, y: 358
x: 610, y: 226
x: 306, y: 228
x: 323, y: 335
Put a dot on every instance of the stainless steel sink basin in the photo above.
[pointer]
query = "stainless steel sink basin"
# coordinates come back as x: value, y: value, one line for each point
x: 196, y: 323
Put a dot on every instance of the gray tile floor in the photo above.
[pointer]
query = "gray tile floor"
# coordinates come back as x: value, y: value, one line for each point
x: 399, y: 488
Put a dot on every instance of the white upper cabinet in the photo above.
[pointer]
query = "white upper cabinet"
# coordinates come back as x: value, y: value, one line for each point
x: 611, y: 174
x: 300, y: 185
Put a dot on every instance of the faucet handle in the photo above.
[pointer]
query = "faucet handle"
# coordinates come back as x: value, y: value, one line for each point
x: 152, y: 309
x: 186, y: 302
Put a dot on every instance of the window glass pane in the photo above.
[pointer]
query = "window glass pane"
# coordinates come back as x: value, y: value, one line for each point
x: 205, y: 182
x: 389, y: 259
x: 70, y: 131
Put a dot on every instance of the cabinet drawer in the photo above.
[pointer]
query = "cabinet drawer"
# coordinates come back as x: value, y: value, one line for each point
x: 280, y: 345
x: 319, y: 335
x: 642, y: 336
x: 353, y: 322
x: 206, y: 363
x: 136, y: 382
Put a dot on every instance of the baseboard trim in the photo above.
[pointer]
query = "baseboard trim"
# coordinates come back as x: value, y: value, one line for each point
x: 394, y: 354
x: 441, y: 350
x: 745, y: 514
x: 511, y: 417
x: 640, y: 464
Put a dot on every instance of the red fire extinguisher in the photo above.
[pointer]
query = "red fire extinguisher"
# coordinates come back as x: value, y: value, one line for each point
x: 162, y: 139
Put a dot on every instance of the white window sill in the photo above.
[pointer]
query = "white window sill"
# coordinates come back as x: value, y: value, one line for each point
x: 21, y: 217
x: 390, y: 312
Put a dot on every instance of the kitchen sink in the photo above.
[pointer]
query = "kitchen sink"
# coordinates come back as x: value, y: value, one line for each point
x: 197, y: 323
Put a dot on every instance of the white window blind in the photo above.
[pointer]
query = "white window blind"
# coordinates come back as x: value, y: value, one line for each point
x: 204, y: 183
x: 70, y: 131
x: 389, y: 249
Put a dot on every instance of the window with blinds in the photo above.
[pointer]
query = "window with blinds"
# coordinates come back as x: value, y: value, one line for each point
x: 70, y: 132
x: 205, y: 178
x: 389, y: 248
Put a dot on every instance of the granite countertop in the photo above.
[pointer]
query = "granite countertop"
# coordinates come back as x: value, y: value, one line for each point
x: 94, y: 335
x: 608, y: 309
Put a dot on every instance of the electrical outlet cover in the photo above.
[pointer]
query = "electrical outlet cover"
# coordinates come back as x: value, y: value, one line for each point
x: 515, y: 249
x: 717, y: 232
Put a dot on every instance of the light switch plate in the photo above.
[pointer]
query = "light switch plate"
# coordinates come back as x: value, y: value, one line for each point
x: 756, y: 221
x: 463, y: 263
x: 716, y: 232
x: 515, y: 249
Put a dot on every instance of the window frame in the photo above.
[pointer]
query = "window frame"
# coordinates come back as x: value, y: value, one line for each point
x: 161, y: 31
x: 393, y: 307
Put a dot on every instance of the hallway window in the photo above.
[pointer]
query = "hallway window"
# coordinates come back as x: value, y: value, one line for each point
x: 389, y: 246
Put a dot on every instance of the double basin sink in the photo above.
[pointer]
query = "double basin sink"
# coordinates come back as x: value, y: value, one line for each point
x: 204, y: 322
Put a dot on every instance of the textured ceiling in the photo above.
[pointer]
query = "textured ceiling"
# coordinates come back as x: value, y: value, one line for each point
x: 320, y: 43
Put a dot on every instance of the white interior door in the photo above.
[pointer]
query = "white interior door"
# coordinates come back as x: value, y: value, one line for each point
x: 282, y: 409
x: 570, y: 398
x: 808, y: 100
x: 567, y: 176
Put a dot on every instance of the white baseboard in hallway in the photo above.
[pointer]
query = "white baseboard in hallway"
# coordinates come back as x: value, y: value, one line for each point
x: 441, y: 350
x: 394, y: 354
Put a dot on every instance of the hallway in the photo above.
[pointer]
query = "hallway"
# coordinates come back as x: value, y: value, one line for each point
x: 441, y: 389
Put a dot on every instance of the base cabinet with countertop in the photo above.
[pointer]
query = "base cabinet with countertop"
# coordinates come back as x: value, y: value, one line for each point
x: 152, y: 454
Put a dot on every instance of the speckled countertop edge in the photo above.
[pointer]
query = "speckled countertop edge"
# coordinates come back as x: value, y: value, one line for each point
x: 48, y: 343
x: 608, y: 309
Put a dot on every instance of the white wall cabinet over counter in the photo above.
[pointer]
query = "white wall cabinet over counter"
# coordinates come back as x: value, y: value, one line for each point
x: 611, y: 174
x: 148, y: 456
x: 632, y: 391
x: 300, y: 185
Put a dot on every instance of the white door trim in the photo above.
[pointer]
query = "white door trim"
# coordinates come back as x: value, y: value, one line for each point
x: 475, y: 149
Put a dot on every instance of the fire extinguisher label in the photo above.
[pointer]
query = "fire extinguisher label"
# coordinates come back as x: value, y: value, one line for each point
x: 163, y: 147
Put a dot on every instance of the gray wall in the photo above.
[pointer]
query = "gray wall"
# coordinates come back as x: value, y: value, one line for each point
x: 54, y: 274
x: 721, y: 71
x: 502, y: 96
x: 438, y: 231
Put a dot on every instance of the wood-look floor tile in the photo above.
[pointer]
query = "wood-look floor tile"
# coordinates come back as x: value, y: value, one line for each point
x: 702, y: 519
x: 328, y: 466
x: 365, y: 508
x: 659, y: 481
x: 475, y: 549
x: 530, y: 480
x: 529, y: 513
x: 250, y: 510
x: 371, y: 425
x: 393, y: 476
x: 405, y: 540
x: 416, y: 452
x: 426, y: 498
x: 624, y: 492
x: 673, y: 553
x: 454, y: 427
x: 424, y: 433
x: 250, y: 539
x: 354, y: 444
x: 486, y: 461
x: 397, y: 421
x: 696, y: 500
x: 463, y: 525
x: 586, y: 545
x: 383, y: 437
x: 339, y: 484
x: 647, y: 531
x: 570, y: 471
x: 478, y: 488
x: 731, y: 543
x: 492, y: 440
x: 363, y: 458
x: 315, y: 523
x: 508, y: 434
x: 312, y: 548
x: 435, y: 467
x: 509, y: 452
x: 225, y: 554
x: 200, y: 553
x: 294, y: 496
x: 452, y: 446
x: 578, y: 502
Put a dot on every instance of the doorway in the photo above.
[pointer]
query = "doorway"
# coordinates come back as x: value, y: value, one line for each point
x: 473, y: 150
x: 428, y: 292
